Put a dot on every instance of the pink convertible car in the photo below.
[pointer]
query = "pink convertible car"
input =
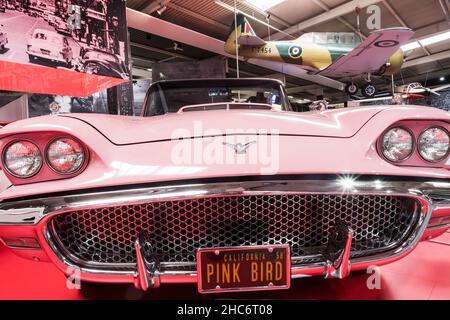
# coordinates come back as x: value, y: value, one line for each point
x: 219, y: 183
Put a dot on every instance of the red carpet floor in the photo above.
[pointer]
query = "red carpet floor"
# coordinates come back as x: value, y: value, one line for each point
x: 424, y: 274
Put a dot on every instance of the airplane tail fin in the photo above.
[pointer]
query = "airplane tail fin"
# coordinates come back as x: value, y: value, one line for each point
x: 244, y: 33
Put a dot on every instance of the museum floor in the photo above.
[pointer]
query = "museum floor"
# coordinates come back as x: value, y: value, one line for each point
x: 421, y: 275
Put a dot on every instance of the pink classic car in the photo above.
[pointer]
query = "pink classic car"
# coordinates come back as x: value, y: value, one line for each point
x: 219, y: 183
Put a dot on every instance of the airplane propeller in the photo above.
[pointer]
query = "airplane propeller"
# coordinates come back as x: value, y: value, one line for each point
x: 175, y: 47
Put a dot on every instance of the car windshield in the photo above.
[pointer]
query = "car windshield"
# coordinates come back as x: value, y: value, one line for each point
x: 344, y: 38
x: 169, y: 96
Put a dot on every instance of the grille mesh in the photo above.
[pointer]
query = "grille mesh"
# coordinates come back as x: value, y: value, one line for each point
x: 178, y: 228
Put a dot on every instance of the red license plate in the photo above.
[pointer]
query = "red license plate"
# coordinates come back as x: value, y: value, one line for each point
x: 244, y: 268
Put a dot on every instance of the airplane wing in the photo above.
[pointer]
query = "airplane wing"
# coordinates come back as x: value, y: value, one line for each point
x: 250, y: 40
x: 370, y: 55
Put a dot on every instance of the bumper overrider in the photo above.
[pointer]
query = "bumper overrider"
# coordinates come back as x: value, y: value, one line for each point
x: 148, y: 235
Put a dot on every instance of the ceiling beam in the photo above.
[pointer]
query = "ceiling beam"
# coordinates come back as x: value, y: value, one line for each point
x: 447, y: 4
x: 198, y: 16
x: 301, y: 89
x: 402, y: 22
x: 165, y: 29
x: 395, y: 14
x: 326, y: 16
x: 141, y: 73
x: 444, y: 7
x: 430, y: 30
x: 147, y: 62
x: 161, y: 51
x: 249, y: 74
x: 424, y: 32
x: 231, y: 9
x: 295, y: 71
x: 426, y: 75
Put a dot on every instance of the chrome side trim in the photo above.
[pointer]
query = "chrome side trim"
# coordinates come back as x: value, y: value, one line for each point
x: 31, y: 212
x: 39, y: 209
x: 21, y: 216
x: 440, y: 226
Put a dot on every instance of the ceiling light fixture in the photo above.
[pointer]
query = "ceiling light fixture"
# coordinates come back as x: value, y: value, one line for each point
x: 410, y: 46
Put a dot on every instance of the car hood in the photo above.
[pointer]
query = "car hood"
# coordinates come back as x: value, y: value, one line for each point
x: 100, y: 56
x: 120, y: 130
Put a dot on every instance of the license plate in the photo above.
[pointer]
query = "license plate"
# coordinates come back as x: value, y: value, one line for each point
x: 243, y: 268
x: 47, y: 52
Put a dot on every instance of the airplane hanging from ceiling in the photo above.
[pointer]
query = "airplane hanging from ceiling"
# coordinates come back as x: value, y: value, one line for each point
x: 338, y: 55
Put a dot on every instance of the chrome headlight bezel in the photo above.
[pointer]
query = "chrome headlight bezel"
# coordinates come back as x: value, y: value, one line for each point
x: 68, y: 173
x: 413, y: 144
x: 419, y: 150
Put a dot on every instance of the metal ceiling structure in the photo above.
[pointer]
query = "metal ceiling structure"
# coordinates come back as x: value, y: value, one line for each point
x: 204, y: 25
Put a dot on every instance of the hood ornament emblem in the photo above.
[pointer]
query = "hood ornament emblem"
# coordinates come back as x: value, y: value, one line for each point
x: 239, y: 148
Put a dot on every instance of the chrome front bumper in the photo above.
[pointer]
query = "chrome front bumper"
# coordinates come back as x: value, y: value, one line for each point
x: 36, y: 213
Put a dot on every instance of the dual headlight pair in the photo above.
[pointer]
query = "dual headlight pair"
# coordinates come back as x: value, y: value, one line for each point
x: 398, y: 144
x: 23, y: 159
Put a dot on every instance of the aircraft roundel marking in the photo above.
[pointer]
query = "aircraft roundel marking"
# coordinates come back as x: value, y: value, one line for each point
x: 386, y: 43
x: 295, y: 52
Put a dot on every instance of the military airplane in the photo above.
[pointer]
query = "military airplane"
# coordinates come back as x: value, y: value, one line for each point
x: 340, y: 55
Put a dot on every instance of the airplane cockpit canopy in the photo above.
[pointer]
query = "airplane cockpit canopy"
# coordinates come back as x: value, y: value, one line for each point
x: 344, y: 38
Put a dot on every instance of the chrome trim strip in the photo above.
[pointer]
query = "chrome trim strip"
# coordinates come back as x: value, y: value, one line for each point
x: 24, y: 248
x: 441, y: 205
x: 57, y: 205
x: 340, y: 268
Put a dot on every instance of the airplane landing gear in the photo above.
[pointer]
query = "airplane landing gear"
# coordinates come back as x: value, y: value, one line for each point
x: 351, y: 89
x: 369, y: 90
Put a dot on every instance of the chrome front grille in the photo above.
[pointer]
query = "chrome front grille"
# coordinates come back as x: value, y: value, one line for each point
x: 178, y: 228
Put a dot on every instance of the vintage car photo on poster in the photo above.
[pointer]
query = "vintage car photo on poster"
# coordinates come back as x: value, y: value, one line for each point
x: 58, y: 33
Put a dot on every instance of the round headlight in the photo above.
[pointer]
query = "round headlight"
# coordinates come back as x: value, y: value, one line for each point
x: 397, y: 144
x: 65, y: 155
x: 22, y: 159
x: 434, y: 144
